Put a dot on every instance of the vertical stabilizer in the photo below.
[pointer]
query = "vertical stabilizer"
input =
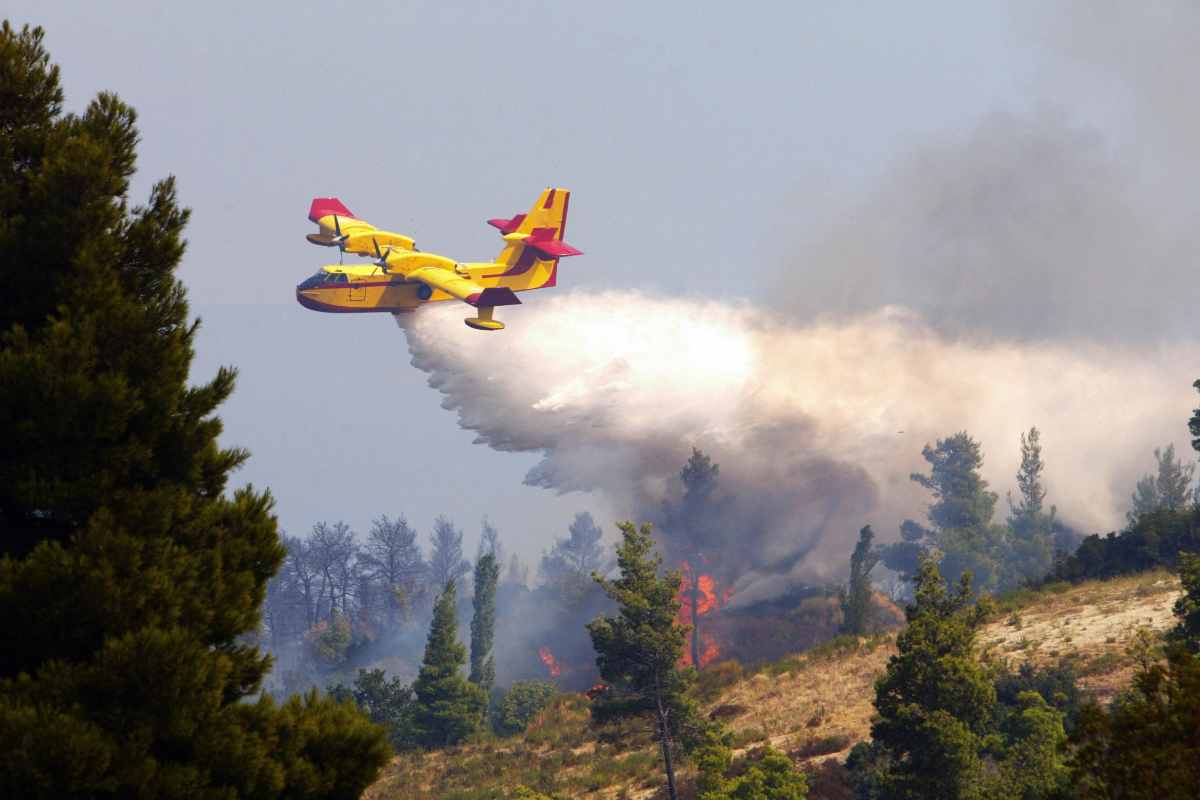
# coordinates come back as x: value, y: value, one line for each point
x: 536, y: 237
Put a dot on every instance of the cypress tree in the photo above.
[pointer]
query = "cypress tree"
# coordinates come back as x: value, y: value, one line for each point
x: 856, y: 596
x: 1031, y: 528
x: 127, y: 574
x: 694, y: 525
x: 449, y: 708
x: 483, y: 622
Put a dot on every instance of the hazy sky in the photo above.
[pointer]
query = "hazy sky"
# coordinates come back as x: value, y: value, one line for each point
x: 700, y: 140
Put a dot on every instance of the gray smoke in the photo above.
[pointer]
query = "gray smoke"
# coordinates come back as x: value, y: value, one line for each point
x: 1075, y: 220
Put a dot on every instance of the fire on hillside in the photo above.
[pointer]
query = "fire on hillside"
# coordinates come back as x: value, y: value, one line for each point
x: 700, y: 596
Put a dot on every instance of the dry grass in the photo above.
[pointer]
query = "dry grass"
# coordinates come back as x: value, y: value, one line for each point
x: 813, y: 698
x: 815, y: 706
x: 1093, y: 623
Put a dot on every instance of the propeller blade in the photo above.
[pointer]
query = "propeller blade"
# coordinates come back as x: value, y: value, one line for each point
x: 383, y: 258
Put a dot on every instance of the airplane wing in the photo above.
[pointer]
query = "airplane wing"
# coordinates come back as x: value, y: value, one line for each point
x: 340, y: 228
x: 464, y: 289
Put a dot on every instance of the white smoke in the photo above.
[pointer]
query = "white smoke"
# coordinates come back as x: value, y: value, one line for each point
x: 816, y: 427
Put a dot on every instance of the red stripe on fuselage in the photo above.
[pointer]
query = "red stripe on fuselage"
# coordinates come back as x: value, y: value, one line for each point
x: 316, y: 305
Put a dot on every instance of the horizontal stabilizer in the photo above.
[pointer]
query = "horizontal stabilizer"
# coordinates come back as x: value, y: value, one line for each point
x: 324, y: 206
x: 555, y: 248
x: 507, y: 226
x: 495, y: 296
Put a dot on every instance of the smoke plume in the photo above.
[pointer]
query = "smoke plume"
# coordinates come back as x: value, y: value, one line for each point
x: 816, y: 427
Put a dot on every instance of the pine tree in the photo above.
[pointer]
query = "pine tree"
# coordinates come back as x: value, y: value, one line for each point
x: 637, y: 651
x: 856, y: 596
x: 127, y: 574
x: 935, y: 702
x: 568, y: 567
x: 1168, y: 489
x: 961, y: 498
x: 448, y: 707
x: 483, y: 622
x: 962, y: 509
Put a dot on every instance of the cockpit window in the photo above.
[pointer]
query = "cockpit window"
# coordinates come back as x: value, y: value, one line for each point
x: 324, y: 278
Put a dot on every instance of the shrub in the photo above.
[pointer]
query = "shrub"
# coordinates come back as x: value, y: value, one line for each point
x: 521, y: 703
x: 822, y: 746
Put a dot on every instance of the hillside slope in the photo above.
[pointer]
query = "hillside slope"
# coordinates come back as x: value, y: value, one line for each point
x: 814, y: 706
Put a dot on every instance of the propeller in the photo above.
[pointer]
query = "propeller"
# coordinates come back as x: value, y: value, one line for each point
x: 339, y: 238
x: 383, y: 257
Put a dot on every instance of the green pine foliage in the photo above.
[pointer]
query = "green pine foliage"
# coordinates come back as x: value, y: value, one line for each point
x: 128, y: 576
x: 1030, y: 755
x: 638, y: 650
x: 961, y: 516
x: 961, y: 496
x: 483, y: 622
x: 1168, y: 489
x: 389, y: 703
x: 449, y: 708
x: 947, y: 726
x: 1157, y: 539
x: 1187, y: 607
x: 935, y: 702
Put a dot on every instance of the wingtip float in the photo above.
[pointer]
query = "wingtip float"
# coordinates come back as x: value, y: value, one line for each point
x: 401, y: 279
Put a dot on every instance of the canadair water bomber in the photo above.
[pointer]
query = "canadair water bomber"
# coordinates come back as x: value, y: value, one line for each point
x: 402, y: 278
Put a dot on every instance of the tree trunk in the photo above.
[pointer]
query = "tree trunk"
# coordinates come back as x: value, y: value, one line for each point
x: 665, y: 741
x: 695, y: 592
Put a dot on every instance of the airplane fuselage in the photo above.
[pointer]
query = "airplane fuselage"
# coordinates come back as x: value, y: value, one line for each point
x: 359, y: 288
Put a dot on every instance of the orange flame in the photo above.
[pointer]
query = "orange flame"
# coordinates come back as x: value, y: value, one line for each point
x: 708, y: 599
x: 550, y: 661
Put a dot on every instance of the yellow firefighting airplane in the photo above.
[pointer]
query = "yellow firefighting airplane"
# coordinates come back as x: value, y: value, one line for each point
x: 403, y: 278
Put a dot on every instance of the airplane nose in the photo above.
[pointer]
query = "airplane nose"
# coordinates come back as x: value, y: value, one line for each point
x: 303, y: 298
